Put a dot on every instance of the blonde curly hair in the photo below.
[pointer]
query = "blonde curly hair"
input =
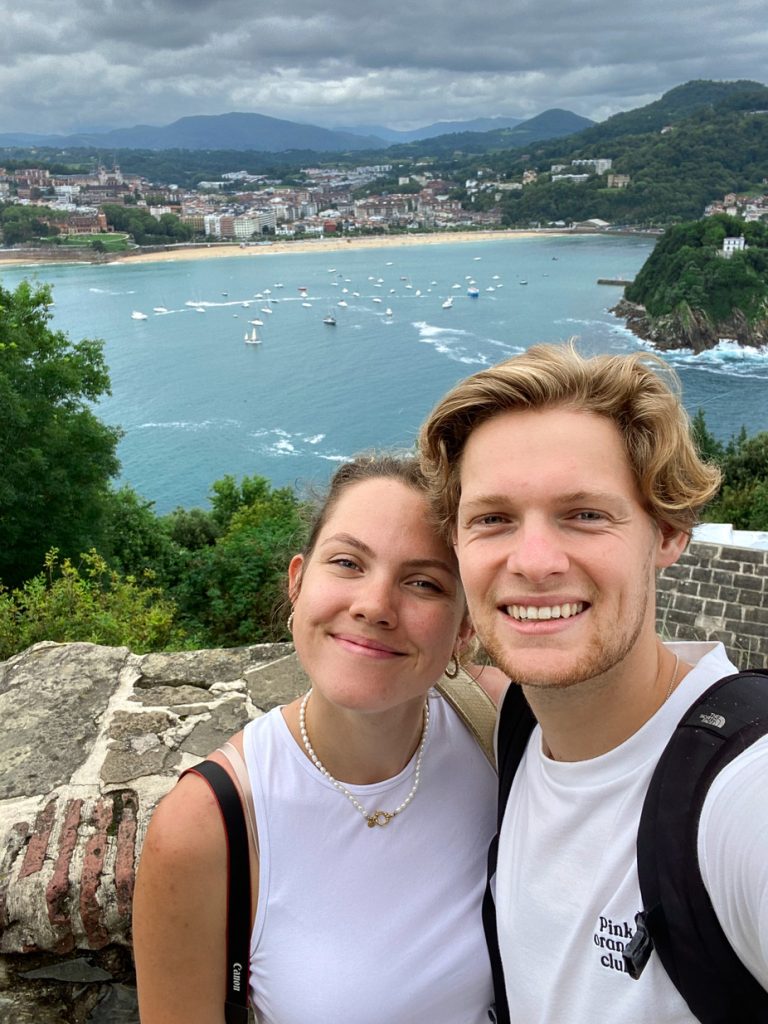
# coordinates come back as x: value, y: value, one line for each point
x: 640, y: 393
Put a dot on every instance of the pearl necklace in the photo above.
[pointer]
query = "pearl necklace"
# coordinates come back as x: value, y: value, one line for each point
x: 378, y: 817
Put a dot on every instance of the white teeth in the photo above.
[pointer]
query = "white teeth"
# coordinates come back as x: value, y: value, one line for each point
x: 523, y: 612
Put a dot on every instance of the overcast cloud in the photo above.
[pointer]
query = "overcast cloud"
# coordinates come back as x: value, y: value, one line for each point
x: 98, y: 64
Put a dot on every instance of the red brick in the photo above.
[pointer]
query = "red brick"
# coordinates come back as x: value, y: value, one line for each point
x: 57, y: 891
x: 126, y: 854
x: 34, y: 858
x: 93, y: 862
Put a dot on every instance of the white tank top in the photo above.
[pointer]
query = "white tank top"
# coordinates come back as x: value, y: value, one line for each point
x: 359, y: 925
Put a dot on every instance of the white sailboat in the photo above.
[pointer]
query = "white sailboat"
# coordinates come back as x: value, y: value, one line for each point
x: 252, y: 338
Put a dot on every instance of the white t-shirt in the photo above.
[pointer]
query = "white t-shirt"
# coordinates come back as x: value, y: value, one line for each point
x: 566, y: 885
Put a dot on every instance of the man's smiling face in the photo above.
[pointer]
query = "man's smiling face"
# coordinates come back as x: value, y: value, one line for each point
x: 556, y: 549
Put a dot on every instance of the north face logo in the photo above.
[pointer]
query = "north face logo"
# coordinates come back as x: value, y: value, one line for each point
x: 711, y: 719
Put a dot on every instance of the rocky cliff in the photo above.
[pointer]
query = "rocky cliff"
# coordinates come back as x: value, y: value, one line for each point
x: 690, y: 329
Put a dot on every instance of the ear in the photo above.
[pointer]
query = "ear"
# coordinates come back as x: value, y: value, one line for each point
x: 465, y: 634
x: 295, y: 572
x: 671, y: 544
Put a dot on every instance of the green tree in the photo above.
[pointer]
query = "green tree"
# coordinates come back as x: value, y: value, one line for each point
x: 710, y: 449
x: 136, y: 539
x: 743, y: 497
x: 56, y: 456
x: 228, y: 593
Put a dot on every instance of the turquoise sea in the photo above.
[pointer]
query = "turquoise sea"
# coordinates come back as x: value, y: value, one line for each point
x: 195, y: 402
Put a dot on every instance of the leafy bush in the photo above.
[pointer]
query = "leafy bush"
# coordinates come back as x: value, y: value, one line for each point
x: 92, y: 603
x: 230, y: 592
x: 743, y: 497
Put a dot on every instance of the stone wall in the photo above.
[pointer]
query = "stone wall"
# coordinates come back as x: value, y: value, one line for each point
x: 718, y: 592
x: 90, y: 739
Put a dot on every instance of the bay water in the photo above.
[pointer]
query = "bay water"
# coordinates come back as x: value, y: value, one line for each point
x: 195, y: 402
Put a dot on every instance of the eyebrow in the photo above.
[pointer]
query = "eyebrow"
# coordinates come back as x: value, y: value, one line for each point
x: 413, y: 563
x: 572, y: 498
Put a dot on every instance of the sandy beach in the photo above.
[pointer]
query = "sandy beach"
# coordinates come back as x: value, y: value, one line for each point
x: 285, y: 247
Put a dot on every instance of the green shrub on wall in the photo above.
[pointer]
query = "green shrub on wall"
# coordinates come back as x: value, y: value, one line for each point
x: 89, y: 603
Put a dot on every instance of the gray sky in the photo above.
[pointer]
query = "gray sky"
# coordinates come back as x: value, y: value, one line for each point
x: 97, y: 64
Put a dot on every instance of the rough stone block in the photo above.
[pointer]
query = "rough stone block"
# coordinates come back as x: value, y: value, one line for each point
x: 744, y: 582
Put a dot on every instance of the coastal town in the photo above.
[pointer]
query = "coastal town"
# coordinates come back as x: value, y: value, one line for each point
x: 244, y: 208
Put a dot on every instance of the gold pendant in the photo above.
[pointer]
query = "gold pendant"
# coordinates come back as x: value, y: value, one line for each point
x: 381, y: 818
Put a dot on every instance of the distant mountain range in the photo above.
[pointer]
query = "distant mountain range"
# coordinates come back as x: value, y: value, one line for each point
x: 259, y: 133
x: 431, y: 131
x: 552, y: 124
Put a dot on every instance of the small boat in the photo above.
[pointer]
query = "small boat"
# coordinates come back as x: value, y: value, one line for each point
x: 307, y: 304
x: 159, y: 309
x: 473, y: 291
x: 302, y: 288
x: 490, y: 288
x: 330, y: 320
x: 448, y: 303
x: 388, y: 312
x: 136, y: 315
x: 256, y: 323
x: 523, y: 282
x: 376, y: 299
x: 252, y: 338
x: 266, y: 309
x: 342, y: 303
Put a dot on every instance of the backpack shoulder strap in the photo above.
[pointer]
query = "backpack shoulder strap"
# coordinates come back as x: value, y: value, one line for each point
x: 238, y: 890
x: 678, y: 920
x: 516, y: 722
x: 474, y: 707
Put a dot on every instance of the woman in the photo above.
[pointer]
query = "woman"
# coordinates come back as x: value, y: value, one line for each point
x: 374, y: 806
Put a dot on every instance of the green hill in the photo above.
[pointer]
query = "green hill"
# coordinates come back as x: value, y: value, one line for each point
x: 689, y: 295
x: 693, y: 145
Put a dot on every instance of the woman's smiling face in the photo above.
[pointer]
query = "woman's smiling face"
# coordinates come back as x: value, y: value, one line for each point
x: 378, y: 603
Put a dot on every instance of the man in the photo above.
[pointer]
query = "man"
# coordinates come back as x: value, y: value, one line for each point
x: 565, y: 484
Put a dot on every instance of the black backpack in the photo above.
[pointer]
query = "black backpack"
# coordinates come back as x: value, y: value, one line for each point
x: 677, y: 920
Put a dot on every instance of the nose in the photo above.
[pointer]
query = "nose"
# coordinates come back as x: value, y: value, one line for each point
x: 374, y: 602
x: 537, y: 552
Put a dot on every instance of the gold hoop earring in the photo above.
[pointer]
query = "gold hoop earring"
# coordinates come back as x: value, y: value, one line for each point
x: 455, y: 670
x: 289, y: 623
